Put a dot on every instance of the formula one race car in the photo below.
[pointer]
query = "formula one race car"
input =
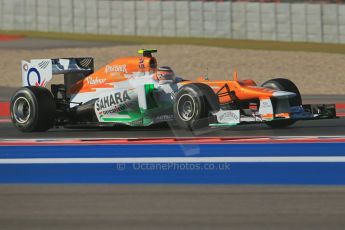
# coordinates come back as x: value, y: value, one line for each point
x: 133, y: 91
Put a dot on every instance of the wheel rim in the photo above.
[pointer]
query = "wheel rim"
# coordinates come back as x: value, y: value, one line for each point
x: 21, y: 110
x: 186, y: 107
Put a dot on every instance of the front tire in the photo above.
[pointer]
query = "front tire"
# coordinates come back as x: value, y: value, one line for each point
x: 193, y: 103
x: 32, y: 109
x: 288, y: 86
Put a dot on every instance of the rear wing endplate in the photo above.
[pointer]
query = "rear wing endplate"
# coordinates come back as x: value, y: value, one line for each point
x: 38, y: 72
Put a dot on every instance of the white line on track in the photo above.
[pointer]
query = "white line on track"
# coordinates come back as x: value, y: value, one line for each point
x: 293, y: 159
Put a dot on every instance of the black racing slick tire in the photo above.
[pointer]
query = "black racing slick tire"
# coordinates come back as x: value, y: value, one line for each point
x: 284, y: 85
x: 194, y: 102
x: 32, y: 109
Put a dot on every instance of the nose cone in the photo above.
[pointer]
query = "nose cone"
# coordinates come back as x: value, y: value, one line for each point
x: 280, y: 94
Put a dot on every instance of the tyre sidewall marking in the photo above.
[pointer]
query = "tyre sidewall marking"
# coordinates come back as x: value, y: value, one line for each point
x: 194, y: 105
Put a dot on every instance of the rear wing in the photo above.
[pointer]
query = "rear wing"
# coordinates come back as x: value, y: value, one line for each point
x: 38, y: 72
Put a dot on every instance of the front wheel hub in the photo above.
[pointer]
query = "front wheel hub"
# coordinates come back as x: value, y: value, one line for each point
x: 186, y: 107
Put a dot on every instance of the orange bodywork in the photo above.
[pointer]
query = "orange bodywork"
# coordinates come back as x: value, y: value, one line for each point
x: 119, y: 70
x: 244, y: 89
x: 123, y: 69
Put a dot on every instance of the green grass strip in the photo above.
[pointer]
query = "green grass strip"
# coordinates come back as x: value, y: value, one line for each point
x: 216, y: 42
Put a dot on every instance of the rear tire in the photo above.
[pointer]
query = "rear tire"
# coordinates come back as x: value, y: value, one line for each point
x: 284, y: 85
x: 33, y: 109
x: 192, y: 103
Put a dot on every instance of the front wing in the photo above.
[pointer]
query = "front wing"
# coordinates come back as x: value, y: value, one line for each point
x: 304, y: 112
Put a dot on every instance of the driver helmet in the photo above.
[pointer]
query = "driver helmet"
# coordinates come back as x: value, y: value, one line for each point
x: 165, y: 73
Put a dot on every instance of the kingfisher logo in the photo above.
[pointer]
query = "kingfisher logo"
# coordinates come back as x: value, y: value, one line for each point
x: 115, y: 68
x: 232, y: 116
x: 229, y: 116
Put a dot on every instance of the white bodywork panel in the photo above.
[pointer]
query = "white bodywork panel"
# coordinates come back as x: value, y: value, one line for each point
x: 266, y: 109
x: 126, y: 96
x: 135, y: 81
x: 37, y: 72
x: 111, y: 103
x: 132, y: 83
x: 141, y: 97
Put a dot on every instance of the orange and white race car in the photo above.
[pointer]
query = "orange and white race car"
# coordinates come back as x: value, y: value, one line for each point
x: 134, y: 91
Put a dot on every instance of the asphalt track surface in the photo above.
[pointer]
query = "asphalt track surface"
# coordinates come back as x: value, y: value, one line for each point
x: 334, y: 127
x: 171, y: 206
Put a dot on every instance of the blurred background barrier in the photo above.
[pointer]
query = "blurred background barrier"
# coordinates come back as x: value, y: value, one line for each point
x: 278, y: 21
